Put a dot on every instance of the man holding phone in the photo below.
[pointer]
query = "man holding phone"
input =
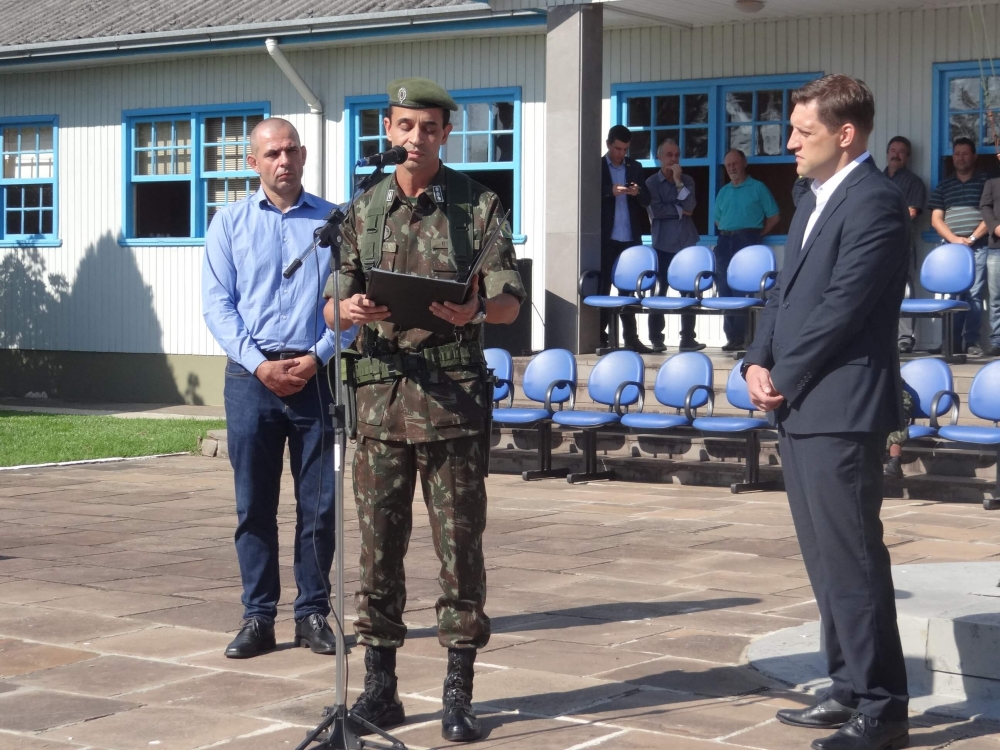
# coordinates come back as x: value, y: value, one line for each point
x: 624, y: 199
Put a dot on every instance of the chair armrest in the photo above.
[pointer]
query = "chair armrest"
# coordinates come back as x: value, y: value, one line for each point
x: 639, y: 292
x: 698, y: 293
x: 560, y: 384
x: 690, y: 395
x: 769, y: 276
x: 956, y: 403
x: 583, y: 277
x: 510, y: 391
x: 621, y: 389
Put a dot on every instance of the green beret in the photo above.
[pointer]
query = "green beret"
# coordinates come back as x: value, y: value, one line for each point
x: 419, y: 93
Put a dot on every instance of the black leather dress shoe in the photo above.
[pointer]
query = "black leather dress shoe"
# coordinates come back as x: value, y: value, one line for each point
x: 864, y: 733
x: 314, y: 632
x: 825, y: 713
x: 658, y: 347
x: 256, y: 637
x: 638, y: 347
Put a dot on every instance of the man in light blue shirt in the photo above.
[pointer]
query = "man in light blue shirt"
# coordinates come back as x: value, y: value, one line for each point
x: 276, y: 387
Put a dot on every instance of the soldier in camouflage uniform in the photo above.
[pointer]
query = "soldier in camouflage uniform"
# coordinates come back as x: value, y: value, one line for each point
x: 421, y: 400
x: 894, y: 468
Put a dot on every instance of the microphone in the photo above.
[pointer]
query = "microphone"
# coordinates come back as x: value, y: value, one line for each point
x: 395, y: 155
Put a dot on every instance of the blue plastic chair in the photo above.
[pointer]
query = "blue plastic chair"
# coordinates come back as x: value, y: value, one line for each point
x: 681, y: 384
x: 928, y: 382
x: 984, y: 402
x: 617, y: 382
x: 549, y: 380
x: 634, y: 272
x: 949, y: 270
x: 501, y: 364
x: 752, y: 272
x: 749, y: 427
x: 691, y: 271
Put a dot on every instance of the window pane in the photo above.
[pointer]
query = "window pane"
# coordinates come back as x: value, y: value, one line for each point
x: 769, y: 105
x: 234, y: 158
x: 668, y: 110
x: 739, y: 106
x: 696, y: 143
x: 29, y: 139
x: 182, y: 161
x: 965, y: 126
x: 143, y: 135
x: 182, y: 132
x: 45, y: 139
x: 14, y: 197
x: 46, y: 164
x: 47, y: 196
x: 162, y: 209
x: 9, y: 166
x: 213, y: 158
x: 213, y: 130
x: 32, y: 222
x: 639, y: 112
x: 32, y: 196
x: 503, y: 116
x: 371, y: 122
x: 252, y: 122
x: 9, y: 140
x: 769, y: 140
x: 963, y: 93
x: 164, y: 162
x: 163, y: 133
x: 695, y: 108
x: 234, y: 129
x: 453, y: 150
x: 662, y: 135
x: 478, y: 148
x: 503, y: 147
x: 739, y: 137
x: 27, y: 166
x: 46, y: 222
x: 368, y: 148
x: 639, y: 147
x: 478, y: 116
x: 13, y: 223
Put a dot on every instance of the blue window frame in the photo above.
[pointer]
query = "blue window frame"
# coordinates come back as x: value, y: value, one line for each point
x: 706, y: 118
x: 485, y: 141
x: 962, y: 108
x: 182, y: 166
x: 28, y: 194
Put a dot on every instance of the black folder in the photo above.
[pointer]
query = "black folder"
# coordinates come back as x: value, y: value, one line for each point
x: 409, y: 297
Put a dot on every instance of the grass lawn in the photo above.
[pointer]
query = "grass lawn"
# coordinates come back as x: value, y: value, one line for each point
x: 27, y: 438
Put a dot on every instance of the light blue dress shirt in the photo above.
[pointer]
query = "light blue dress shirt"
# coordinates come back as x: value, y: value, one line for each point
x: 248, y: 305
x: 621, y: 230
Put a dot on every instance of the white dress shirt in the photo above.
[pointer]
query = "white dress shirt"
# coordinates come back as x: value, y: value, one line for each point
x: 825, y: 190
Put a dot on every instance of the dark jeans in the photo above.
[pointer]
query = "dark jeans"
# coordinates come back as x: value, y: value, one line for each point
x: 257, y: 423
x: 967, y: 324
x: 735, y: 325
x: 657, y: 320
x: 834, y: 487
x: 610, y: 251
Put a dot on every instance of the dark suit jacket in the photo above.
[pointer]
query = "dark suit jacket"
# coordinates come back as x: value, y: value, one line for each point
x: 989, y: 206
x: 828, y: 331
x: 636, y: 203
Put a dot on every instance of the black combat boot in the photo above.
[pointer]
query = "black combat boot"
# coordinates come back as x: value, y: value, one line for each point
x: 379, y: 704
x: 459, y: 724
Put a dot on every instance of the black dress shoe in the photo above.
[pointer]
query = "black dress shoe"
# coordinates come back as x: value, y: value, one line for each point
x: 256, y: 637
x: 638, y: 347
x: 733, y: 346
x: 825, y: 713
x: 865, y: 733
x: 658, y: 347
x: 314, y: 632
x: 691, y: 346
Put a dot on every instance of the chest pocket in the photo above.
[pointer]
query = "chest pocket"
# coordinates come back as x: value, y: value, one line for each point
x: 442, y: 260
x: 387, y: 262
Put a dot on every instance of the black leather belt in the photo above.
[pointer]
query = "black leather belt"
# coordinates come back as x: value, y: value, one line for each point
x: 730, y: 233
x: 274, y: 356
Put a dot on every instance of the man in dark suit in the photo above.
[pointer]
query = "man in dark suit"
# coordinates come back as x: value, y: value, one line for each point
x: 624, y: 198
x: 825, y: 360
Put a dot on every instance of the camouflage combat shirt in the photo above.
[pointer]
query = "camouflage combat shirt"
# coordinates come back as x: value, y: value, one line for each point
x: 442, y: 404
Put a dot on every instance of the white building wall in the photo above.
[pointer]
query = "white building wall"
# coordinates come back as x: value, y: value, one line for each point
x: 108, y: 298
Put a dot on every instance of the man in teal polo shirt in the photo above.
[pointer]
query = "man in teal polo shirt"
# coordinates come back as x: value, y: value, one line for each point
x: 745, y: 211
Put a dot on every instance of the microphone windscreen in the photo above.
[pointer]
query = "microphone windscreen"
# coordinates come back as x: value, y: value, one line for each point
x: 399, y: 154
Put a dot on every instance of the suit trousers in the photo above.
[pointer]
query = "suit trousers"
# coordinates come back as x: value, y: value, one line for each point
x: 834, y: 486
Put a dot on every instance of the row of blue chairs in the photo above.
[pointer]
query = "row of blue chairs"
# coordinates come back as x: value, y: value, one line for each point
x: 683, y: 383
x: 948, y: 271
x: 752, y: 272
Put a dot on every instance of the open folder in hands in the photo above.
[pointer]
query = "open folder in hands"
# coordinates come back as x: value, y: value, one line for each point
x: 409, y: 297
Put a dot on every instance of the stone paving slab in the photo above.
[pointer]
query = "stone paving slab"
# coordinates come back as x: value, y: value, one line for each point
x: 621, y: 615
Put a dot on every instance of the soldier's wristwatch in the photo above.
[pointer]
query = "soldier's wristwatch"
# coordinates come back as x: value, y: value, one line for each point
x: 479, y: 317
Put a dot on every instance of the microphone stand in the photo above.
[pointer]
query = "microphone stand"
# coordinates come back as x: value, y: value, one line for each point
x: 335, y: 731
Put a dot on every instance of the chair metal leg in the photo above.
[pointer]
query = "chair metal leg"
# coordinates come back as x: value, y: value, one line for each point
x: 544, y: 470
x: 751, y: 474
x: 993, y: 503
x: 948, y: 341
x: 613, y: 330
x: 590, y: 472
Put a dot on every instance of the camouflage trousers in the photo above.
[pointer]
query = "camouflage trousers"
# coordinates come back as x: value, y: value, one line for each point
x: 899, y: 436
x: 451, y: 477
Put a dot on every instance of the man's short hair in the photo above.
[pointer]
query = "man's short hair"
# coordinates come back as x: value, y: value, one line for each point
x: 619, y: 133
x: 900, y: 139
x: 964, y: 141
x: 665, y: 142
x: 839, y: 100
x: 445, y: 113
x: 735, y: 151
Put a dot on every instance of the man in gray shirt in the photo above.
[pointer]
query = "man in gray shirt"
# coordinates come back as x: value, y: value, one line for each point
x: 671, y: 204
x: 897, y: 157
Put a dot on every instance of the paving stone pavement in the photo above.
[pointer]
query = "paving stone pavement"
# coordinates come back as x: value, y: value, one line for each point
x: 621, y: 613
